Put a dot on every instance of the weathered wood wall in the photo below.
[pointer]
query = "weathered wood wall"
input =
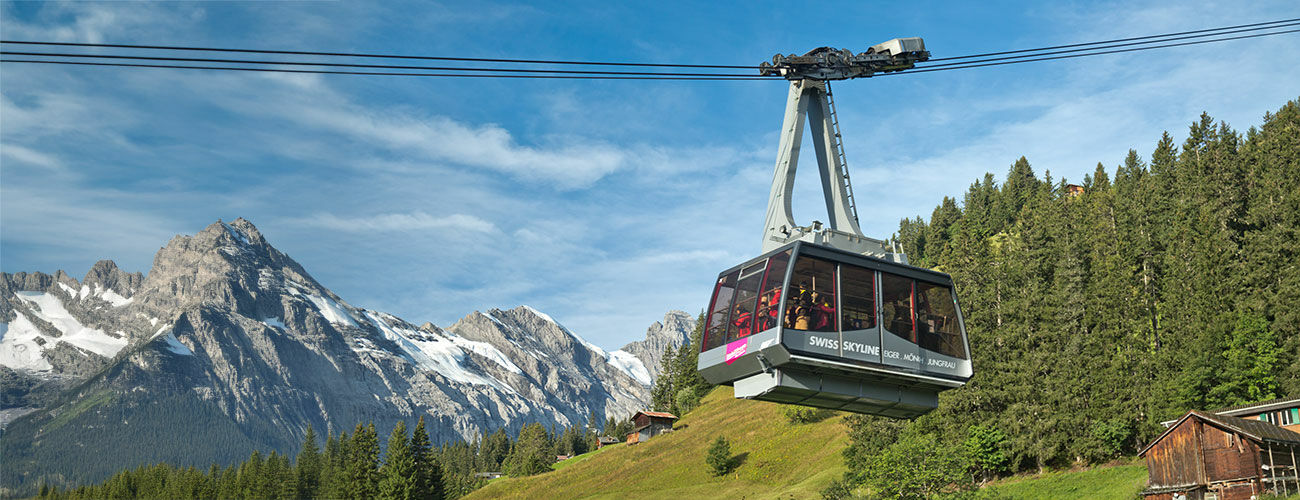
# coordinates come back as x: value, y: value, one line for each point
x: 1228, y: 456
x: 1176, y: 460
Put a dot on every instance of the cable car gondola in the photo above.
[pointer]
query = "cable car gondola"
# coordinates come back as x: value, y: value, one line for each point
x: 827, y: 317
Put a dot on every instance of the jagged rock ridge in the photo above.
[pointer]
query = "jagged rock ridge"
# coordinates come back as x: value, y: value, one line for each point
x: 672, y: 332
x: 225, y: 326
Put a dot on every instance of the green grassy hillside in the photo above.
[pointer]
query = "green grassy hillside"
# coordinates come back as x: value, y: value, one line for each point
x: 1122, y: 482
x: 778, y: 460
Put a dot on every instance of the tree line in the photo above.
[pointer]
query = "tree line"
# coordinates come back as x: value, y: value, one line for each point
x: 679, y: 387
x: 1096, y: 311
x: 353, y: 467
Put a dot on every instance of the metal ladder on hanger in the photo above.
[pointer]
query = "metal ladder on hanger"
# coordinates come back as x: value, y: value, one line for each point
x: 839, y: 151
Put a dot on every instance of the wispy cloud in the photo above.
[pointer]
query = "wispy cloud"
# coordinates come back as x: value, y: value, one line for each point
x: 20, y: 154
x: 414, y: 221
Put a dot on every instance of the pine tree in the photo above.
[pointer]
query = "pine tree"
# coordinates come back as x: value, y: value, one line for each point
x: 361, y: 471
x: 428, y: 477
x: 308, y: 467
x: 718, y: 458
x: 250, y: 476
x: 398, y: 475
x: 661, y: 394
x: 531, y: 453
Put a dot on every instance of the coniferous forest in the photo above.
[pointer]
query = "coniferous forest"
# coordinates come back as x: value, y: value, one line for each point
x: 352, y: 466
x: 1166, y: 283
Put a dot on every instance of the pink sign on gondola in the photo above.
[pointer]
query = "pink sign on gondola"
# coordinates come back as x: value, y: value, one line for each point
x: 736, y: 349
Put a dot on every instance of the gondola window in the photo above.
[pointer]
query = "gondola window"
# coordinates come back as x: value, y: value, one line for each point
x: 896, y: 305
x: 742, y: 315
x: 936, y: 320
x: 859, y: 297
x: 811, y: 302
x: 720, y: 313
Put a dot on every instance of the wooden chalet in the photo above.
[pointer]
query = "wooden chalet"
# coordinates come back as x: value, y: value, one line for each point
x: 1207, y: 456
x: 1282, y: 412
x: 1073, y: 190
x: 604, y: 441
x: 649, y: 424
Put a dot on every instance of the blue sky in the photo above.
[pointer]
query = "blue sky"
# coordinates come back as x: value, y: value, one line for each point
x: 603, y: 203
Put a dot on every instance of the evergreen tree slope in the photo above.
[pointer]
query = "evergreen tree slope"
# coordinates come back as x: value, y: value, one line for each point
x: 1168, y: 284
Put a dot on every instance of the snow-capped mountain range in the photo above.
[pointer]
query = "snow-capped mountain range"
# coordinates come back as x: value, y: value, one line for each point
x: 226, y: 327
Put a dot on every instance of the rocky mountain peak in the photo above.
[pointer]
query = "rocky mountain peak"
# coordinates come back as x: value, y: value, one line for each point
x: 226, y: 263
x: 225, y: 328
x: 106, y: 275
x: 673, y: 331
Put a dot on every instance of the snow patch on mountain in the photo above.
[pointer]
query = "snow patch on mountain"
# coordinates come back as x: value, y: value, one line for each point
x: 486, y: 350
x: 49, y: 308
x: 631, y: 365
x: 331, y: 310
x: 441, y: 354
x: 237, y: 234
x: 71, y: 291
x: 111, y: 297
x: 275, y: 323
x: 174, y: 345
x: 18, y: 347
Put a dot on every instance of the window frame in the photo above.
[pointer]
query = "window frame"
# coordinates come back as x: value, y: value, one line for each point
x: 874, y: 299
x: 713, y: 308
x: 834, y: 290
x: 733, y: 330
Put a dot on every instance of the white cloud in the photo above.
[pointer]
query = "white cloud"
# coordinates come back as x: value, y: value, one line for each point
x: 313, y: 106
x: 407, y: 222
x: 92, y: 22
x: 16, y: 153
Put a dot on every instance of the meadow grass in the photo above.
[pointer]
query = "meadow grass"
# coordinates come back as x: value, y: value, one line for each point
x: 1100, y: 483
x: 775, y: 459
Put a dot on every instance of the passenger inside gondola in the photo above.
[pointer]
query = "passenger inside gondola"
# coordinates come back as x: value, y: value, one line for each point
x: 896, y: 305
x: 858, y: 302
x: 925, y: 322
x: 810, y: 305
x: 936, y: 316
x: 823, y: 312
x: 798, y: 306
x: 773, y: 300
x: 763, y: 317
x: 743, y: 321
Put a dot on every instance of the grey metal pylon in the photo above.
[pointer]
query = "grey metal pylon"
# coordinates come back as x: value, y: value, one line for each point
x: 839, y: 152
x: 808, y: 101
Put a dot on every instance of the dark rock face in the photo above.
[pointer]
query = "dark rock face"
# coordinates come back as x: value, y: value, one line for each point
x: 673, y: 331
x: 228, y: 329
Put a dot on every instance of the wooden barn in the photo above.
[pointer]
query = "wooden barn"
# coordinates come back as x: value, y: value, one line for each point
x: 650, y: 424
x: 1282, y: 412
x: 1206, y: 456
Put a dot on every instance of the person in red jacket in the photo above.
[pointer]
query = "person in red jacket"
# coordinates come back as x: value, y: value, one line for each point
x: 744, y: 322
x: 763, y: 315
x: 775, y: 304
x: 824, y: 310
